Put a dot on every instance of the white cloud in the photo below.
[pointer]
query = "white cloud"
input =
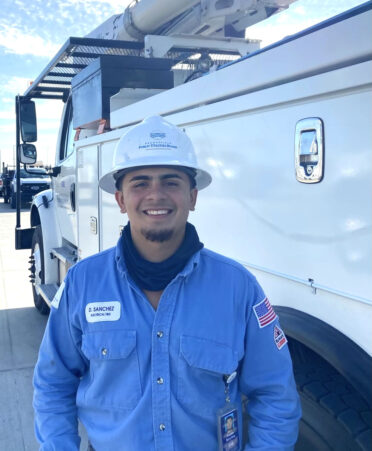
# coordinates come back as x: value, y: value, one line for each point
x: 13, y: 85
x: 8, y: 128
x: 39, y: 28
x: 49, y: 110
x: 271, y: 33
x: 7, y: 114
x: 48, y: 126
x: 300, y: 10
x: 16, y: 41
x: 299, y: 16
x: 118, y: 5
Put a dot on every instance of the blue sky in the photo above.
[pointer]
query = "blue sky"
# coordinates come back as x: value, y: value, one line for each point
x: 32, y: 32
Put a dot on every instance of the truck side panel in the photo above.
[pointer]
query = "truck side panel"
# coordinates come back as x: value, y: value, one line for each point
x: 319, y: 231
x: 87, y: 200
x: 292, y: 233
x: 111, y: 220
x: 294, y: 236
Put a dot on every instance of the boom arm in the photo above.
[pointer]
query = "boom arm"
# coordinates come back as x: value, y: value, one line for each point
x: 223, y: 18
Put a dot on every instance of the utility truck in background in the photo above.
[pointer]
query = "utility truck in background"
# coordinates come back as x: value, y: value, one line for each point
x: 6, y: 178
x: 285, y: 132
x: 31, y: 183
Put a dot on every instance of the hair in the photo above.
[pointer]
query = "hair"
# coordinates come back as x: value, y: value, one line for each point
x: 119, y: 176
x: 190, y: 172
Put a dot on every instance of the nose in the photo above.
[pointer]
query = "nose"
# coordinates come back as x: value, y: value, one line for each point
x: 156, y: 192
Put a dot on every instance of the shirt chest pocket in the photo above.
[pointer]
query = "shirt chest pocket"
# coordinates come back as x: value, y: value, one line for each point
x: 114, y: 378
x: 202, y: 365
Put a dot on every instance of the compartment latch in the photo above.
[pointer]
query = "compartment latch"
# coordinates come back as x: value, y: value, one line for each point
x: 309, y: 150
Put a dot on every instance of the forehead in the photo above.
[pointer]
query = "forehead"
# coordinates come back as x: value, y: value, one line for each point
x: 155, y: 173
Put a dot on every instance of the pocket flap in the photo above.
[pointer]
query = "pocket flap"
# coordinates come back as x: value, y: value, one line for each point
x: 209, y: 355
x: 113, y: 344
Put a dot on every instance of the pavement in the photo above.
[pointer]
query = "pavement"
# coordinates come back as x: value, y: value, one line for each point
x: 21, y: 331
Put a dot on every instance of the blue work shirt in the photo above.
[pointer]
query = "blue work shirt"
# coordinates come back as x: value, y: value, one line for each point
x: 143, y: 380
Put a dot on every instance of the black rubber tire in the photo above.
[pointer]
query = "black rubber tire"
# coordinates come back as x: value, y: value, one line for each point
x: 13, y: 201
x: 334, y: 416
x: 37, y: 243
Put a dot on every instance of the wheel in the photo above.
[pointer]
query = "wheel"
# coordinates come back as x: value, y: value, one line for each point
x: 13, y: 201
x: 37, y: 270
x: 334, y: 416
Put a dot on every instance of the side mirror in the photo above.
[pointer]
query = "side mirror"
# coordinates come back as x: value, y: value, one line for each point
x: 27, y: 153
x: 27, y: 121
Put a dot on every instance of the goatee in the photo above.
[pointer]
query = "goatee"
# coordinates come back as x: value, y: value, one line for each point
x: 157, y: 235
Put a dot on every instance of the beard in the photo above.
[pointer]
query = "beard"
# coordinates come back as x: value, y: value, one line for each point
x: 158, y: 236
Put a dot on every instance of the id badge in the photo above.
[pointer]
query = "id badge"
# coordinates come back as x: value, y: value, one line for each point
x: 228, y: 428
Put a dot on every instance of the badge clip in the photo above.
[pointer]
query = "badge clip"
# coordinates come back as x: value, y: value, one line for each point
x: 227, y: 420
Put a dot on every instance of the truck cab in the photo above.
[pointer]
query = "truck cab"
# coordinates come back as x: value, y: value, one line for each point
x: 32, y: 182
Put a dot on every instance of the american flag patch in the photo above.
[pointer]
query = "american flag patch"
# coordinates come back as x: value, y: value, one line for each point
x: 264, y: 313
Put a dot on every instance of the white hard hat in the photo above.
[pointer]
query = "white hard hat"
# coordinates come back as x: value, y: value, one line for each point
x: 154, y: 142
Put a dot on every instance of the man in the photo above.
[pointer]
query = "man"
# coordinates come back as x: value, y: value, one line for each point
x: 152, y: 343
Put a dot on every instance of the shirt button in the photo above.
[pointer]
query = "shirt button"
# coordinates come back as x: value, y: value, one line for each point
x: 104, y: 351
x: 160, y: 380
x: 159, y: 334
x: 162, y: 427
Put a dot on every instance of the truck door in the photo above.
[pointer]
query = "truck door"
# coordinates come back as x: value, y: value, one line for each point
x: 87, y: 200
x: 65, y: 182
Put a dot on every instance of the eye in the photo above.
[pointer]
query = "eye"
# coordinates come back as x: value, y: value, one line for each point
x: 171, y: 183
x: 140, y: 185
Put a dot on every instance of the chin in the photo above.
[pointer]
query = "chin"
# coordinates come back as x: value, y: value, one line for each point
x: 157, y: 235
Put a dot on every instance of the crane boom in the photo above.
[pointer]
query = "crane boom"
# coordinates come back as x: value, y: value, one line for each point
x: 222, y: 18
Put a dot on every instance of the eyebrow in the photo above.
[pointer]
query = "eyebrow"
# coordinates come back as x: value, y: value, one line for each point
x: 162, y: 177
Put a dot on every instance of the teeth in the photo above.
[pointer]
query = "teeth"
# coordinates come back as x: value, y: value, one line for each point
x: 157, y: 212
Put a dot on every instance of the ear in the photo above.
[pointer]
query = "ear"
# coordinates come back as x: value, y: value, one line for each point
x: 193, y: 197
x: 119, y: 197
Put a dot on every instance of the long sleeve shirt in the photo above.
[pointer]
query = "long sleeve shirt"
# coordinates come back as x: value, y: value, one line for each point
x: 144, y: 379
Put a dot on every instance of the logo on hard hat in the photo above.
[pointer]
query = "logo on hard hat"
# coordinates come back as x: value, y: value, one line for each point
x: 158, y: 135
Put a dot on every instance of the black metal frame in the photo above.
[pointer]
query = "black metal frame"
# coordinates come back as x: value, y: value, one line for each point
x: 54, y: 82
x: 23, y: 237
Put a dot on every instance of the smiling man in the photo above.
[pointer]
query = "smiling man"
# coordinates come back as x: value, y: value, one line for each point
x: 152, y: 343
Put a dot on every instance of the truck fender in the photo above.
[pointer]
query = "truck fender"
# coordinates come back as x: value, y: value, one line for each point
x: 341, y: 353
x: 332, y: 375
x: 43, y: 213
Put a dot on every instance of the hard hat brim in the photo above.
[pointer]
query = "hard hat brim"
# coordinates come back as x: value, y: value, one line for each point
x: 108, y: 183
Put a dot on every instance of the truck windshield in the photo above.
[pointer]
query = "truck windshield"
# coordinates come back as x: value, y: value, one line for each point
x: 36, y: 173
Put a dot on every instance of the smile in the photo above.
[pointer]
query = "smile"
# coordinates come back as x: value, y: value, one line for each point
x: 157, y: 212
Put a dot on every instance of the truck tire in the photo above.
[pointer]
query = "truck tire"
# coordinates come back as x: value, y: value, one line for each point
x: 37, y: 270
x: 13, y: 201
x: 334, y: 416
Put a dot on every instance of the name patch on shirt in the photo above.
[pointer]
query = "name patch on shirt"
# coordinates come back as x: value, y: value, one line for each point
x: 57, y: 296
x: 264, y: 312
x: 102, y: 311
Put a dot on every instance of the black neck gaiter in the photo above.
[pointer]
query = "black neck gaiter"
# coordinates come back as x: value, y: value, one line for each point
x: 156, y: 276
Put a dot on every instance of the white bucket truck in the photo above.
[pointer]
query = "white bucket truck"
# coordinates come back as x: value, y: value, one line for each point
x: 285, y: 132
